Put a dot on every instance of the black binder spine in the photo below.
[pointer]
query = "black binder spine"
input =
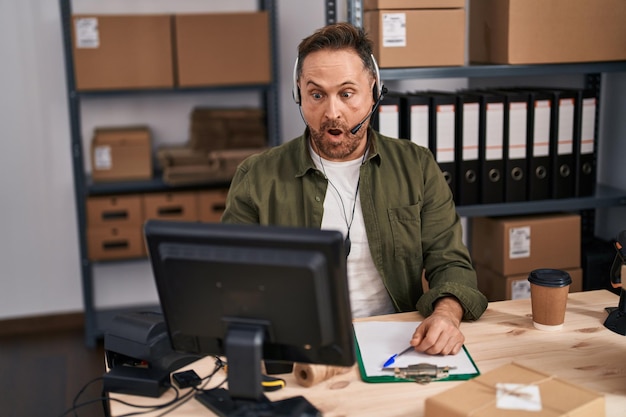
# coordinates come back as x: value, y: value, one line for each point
x: 563, y: 170
x: 414, y: 123
x: 491, y: 146
x: 442, y: 112
x: 586, y: 147
x: 468, y: 162
x: 539, y: 145
x: 387, y: 119
x: 515, y: 146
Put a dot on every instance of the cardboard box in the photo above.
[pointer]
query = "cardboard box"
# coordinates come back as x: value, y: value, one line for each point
x: 171, y: 206
x: 115, y: 211
x: 108, y: 243
x: 516, y: 245
x: 223, y: 49
x: 412, y: 4
x: 211, y: 204
x: 121, y: 154
x: 417, y: 38
x: 498, y: 287
x: 557, y: 397
x: 546, y: 31
x: 122, y: 52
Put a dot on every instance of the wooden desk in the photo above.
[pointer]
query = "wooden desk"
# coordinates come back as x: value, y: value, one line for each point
x: 583, y: 352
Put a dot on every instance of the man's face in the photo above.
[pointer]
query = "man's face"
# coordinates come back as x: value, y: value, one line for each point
x: 336, y: 94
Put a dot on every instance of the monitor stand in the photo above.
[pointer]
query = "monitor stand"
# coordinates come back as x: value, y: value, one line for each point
x: 244, y: 397
x: 223, y: 404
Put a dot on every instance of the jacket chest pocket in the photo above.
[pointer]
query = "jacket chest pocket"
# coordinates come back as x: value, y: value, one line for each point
x: 406, y: 228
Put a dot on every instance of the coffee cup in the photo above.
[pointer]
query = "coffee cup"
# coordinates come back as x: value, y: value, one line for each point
x: 548, y: 296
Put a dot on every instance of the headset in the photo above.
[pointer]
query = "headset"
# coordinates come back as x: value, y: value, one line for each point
x: 378, y: 91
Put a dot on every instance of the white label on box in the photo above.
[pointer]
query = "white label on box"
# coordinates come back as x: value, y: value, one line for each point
x: 87, y: 35
x: 519, y: 242
x: 394, y: 30
x: 520, y: 289
x: 518, y: 397
x: 102, y: 159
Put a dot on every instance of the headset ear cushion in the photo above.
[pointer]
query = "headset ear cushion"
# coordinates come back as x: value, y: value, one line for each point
x: 295, y: 90
x: 296, y: 94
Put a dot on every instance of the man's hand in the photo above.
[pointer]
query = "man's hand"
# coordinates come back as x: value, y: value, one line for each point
x: 439, y: 333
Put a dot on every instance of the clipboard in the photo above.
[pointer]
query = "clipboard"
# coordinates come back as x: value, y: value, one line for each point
x: 376, y: 341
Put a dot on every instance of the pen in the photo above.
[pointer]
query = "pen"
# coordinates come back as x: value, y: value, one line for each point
x: 392, y: 359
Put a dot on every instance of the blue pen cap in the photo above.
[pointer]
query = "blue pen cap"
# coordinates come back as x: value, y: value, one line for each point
x: 547, y: 277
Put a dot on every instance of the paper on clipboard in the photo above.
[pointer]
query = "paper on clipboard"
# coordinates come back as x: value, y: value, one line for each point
x: 378, y: 340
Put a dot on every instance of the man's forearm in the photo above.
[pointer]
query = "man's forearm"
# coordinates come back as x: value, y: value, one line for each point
x: 449, y: 306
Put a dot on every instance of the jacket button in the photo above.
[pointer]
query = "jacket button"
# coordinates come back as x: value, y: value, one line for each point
x: 317, y: 198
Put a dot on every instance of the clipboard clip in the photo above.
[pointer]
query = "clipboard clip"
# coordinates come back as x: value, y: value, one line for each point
x: 422, y: 373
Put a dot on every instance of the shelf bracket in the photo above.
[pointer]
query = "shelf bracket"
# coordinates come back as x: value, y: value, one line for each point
x: 355, y: 12
x: 331, y: 12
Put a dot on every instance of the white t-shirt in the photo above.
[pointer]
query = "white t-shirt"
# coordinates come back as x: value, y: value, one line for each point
x: 368, y: 295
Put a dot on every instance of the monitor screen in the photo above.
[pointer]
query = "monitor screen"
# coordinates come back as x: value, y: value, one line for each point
x: 253, y: 292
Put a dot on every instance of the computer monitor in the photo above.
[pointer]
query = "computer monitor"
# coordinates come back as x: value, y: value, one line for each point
x: 252, y: 293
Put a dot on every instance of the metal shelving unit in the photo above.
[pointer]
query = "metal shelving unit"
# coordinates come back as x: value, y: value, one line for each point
x: 604, y: 196
x: 96, y: 319
x: 498, y: 70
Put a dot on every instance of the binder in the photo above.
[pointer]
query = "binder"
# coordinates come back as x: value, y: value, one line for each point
x: 539, y: 145
x: 562, y: 126
x: 387, y: 119
x: 442, y: 111
x: 466, y: 146
x: 414, y: 122
x: 491, y: 146
x: 585, y: 153
x: 515, y: 145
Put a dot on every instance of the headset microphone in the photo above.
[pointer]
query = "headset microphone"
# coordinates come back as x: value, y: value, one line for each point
x: 378, y: 100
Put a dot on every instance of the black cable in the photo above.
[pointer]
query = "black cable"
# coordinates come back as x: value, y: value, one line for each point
x: 176, y: 402
x: 219, y: 364
x: 78, y: 406
x: 150, y: 408
x: 80, y: 392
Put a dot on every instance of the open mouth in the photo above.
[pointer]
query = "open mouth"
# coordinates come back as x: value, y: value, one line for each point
x: 335, y: 132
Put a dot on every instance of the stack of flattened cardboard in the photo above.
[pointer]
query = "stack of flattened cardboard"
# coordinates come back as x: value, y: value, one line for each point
x: 217, y: 129
x: 219, y: 140
x: 182, y: 165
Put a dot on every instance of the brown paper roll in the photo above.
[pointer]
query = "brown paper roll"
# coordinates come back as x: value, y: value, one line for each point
x: 308, y: 375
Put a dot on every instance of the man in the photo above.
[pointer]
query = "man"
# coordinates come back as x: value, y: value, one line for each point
x: 388, y: 196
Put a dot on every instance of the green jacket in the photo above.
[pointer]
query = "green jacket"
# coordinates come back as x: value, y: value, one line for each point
x: 409, y: 215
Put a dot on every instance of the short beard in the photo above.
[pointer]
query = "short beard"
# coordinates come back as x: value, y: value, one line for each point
x: 342, y: 151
